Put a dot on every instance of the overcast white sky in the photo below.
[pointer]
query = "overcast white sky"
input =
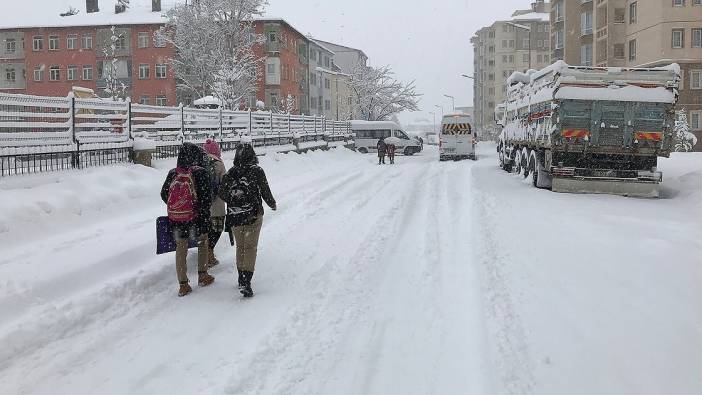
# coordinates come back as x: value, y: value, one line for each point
x: 426, y: 41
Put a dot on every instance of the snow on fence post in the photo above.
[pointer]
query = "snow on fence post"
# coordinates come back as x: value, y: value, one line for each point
x: 129, y: 118
x: 75, y: 155
x: 182, y: 122
x: 221, y: 131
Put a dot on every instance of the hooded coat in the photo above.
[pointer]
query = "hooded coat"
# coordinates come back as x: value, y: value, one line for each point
x: 191, y: 157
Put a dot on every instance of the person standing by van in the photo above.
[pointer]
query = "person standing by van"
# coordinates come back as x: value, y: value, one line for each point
x: 244, y: 188
x: 187, y: 193
x: 382, y: 147
x: 391, y: 152
x: 217, y: 210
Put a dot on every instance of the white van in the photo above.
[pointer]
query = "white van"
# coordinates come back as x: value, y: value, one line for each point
x: 369, y: 132
x: 456, y: 138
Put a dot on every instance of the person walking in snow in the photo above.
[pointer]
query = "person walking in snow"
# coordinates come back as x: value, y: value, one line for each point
x: 244, y: 188
x: 187, y: 193
x: 390, y: 148
x: 217, y: 210
x: 382, y: 147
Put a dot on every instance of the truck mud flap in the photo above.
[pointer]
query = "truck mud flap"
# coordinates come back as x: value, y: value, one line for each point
x: 610, y: 187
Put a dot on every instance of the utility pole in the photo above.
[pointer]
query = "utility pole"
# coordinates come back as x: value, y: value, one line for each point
x: 453, y: 102
x: 433, y: 124
x: 442, y: 110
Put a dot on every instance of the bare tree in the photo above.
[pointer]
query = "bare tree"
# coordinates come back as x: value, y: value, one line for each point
x: 684, y: 139
x: 214, y: 42
x: 114, y: 88
x: 379, y: 95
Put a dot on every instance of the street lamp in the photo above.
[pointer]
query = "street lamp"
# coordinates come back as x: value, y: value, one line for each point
x: 433, y: 124
x: 442, y: 110
x: 467, y: 76
x: 453, y: 101
x: 527, y: 28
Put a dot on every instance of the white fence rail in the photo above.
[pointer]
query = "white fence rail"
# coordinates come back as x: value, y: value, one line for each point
x: 32, y: 121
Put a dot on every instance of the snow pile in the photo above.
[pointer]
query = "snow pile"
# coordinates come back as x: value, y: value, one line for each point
x: 143, y: 144
x: 618, y: 93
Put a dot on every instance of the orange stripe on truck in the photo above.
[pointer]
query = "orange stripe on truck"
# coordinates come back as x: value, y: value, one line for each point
x: 575, y: 133
x: 650, y: 136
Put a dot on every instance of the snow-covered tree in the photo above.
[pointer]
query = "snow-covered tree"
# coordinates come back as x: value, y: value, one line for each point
x: 287, y: 105
x: 684, y: 140
x: 379, y: 95
x: 114, y: 88
x: 214, y: 42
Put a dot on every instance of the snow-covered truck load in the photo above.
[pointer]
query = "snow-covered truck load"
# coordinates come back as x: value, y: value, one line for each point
x: 589, y: 129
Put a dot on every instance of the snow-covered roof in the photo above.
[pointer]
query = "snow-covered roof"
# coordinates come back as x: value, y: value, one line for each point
x: 533, y: 16
x: 207, y: 100
x: 317, y: 43
x: 341, y: 46
x: 280, y: 20
x: 47, y: 13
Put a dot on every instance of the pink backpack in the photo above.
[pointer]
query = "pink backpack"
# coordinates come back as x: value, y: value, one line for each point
x: 182, y: 197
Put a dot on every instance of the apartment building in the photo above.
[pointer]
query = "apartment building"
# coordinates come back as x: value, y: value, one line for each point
x: 518, y: 44
x: 285, y: 71
x: 321, y: 65
x: 44, y: 53
x: 346, y: 58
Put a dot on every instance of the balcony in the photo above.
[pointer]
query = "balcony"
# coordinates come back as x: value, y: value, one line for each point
x: 586, y: 31
x: 601, y: 33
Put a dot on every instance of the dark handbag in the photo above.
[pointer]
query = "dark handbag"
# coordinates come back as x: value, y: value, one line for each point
x: 165, y: 242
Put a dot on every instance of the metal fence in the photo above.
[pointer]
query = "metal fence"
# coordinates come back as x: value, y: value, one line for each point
x: 39, y: 134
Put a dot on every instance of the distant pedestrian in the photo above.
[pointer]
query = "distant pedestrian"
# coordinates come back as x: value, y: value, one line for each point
x: 244, y: 188
x: 217, y: 210
x: 187, y: 193
x: 391, y: 152
x: 382, y: 148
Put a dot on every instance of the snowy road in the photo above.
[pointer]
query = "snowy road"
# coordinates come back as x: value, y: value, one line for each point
x: 419, y: 278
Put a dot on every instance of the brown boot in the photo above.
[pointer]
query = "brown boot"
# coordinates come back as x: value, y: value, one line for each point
x: 212, y: 260
x: 204, y: 279
x: 184, y: 289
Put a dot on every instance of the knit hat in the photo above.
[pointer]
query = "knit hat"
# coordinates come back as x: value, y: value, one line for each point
x: 211, y: 147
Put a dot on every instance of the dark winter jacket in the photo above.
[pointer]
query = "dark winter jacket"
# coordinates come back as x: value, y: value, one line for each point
x: 191, y: 156
x: 382, y: 147
x: 390, y: 148
x: 246, y: 165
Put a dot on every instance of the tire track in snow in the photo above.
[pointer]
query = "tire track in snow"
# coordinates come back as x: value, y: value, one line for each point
x: 316, y: 325
x: 514, y: 368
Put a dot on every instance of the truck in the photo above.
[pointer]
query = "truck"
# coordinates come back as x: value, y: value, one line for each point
x: 456, y: 139
x: 589, y: 129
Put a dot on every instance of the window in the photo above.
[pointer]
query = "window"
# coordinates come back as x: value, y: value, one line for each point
x: 87, y: 41
x: 619, y: 15
x: 271, y: 37
x: 619, y: 51
x: 540, y: 28
x: 72, y: 73
x: 586, y: 55
x: 539, y: 58
x: 144, y: 71
x: 696, y: 2
x: 540, y: 44
x: 159, y: 40
x: 327, y: 105
x: 525, y: 58
x: 678, y: 38
x: 491, y: 63
x: 586, y: 23
x: 559, y: 39
x: 72, y: 41
x: 504, y: 43
x: 38, y: 43
x: 327, y: 83
x: 313, y: 79
x: 320, y: 101
x: 271, y: 68
x: 161, y: 100
x: 313, y: 102
x: 678, y: 3
x: 327, y: 62
x: 525, y: 43
x: 632, y: 49
x: 695, y: 120
x: 39, y: 73
x: 10, y: 45
x: 696, y: 79
x: 313, y: 55
x: 144, y: 100
x: 143, y: 39
x: 504, y: 58
x: 121, y: 43
x: 633, y: 11
x: 696, y: 38
x: 10, y: 75
x: 511, y: 43
x: 160, y: 71
x: 54, y: 73
x: 511, y: 58
x: 88, y: 72
x: 54, y: 43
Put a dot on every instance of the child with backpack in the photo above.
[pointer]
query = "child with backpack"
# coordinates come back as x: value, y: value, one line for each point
x: 244, y: 188
x: 217, y: 210
x: 187, y: 193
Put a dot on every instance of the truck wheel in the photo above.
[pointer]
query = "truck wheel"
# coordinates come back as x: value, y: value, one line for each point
x: 409, y: 151
x: 534, y: 172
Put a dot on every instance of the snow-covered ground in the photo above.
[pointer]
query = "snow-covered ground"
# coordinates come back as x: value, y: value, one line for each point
x: 418, y: 278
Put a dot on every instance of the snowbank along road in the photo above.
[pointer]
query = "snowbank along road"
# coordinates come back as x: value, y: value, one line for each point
x: 418, y: 278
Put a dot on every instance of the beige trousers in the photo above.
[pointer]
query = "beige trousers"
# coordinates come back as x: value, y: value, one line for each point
x: 203, y: 254
x: 247, y: 245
